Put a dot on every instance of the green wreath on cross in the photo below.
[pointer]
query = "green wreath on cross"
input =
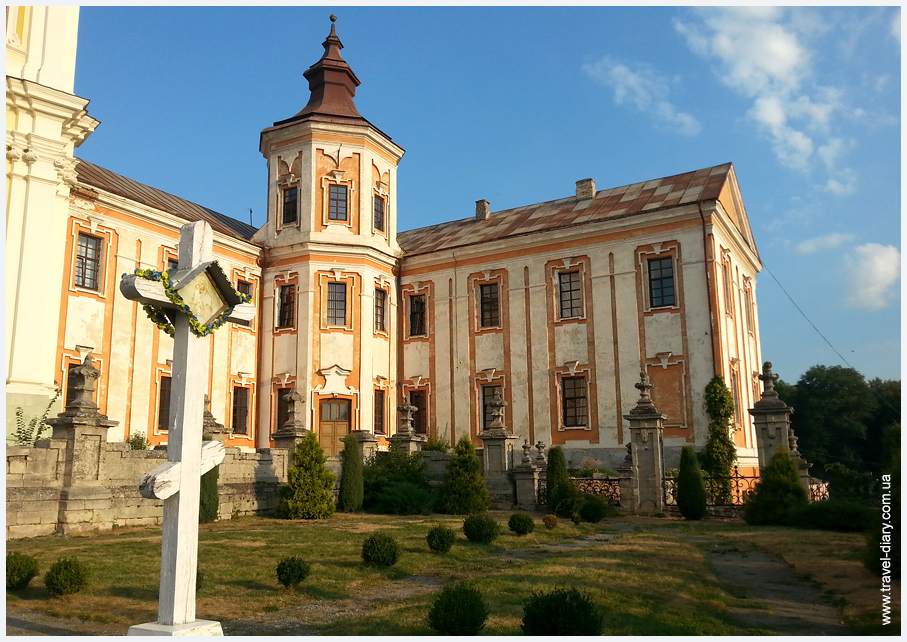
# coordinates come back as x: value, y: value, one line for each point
x: 159, y: 316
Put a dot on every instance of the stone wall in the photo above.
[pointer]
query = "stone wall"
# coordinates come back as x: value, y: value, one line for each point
x: 102, y: 491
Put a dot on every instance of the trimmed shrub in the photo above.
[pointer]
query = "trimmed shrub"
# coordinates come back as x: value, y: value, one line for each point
x: 292, y: 571
x: 521, y: 523
x: 550, y: 522
x: 208, y: 499
x: 691, y: 496
x: 833, y: 515
x: 440, y: 538
x: 719, y: 454
x: 380, y: 549
x: 594, y: 509
x: 481, y: 529
x: 67, y: 576
x: 778, y: 494
x: 562, y: 612
x: 560, y: 492
x: 463, y: 491
x: 458, y: 610
x: 391, y: 467
x: 405, y: 498
x: 308, y: 493
x: 350, y: 497
x: 20, y: 569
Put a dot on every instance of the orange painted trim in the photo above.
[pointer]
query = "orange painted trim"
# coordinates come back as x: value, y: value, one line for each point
x: 336, y: 138
x: 386, y: 269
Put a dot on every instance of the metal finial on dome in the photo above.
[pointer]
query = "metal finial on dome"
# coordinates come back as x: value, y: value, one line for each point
x: 333, y: 18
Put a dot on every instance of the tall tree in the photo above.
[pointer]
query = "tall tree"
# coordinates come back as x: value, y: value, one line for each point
x: 463, y: 491
x: 349, y: 498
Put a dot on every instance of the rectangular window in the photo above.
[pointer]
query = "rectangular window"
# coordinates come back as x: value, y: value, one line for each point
x: 379, y: 412
x: 573, y: 395
x: 488, y: 393
x: 286, y: 306
x: 736, y: 395
x: 570, y: 295
x: 88, y: 262
x: 379, y: 214
x: 420, y: 417
x: 240, y: 410
x: 417, y: 315
x: 243, y: 287
x: 163, y: 405
x: 336, y: 303
x: 661, y: 282
x: 748, y: 303
x: 290, y: 205
x: 490, y: 315
x: 283, y: 407
x: 727, y: 288
x: 380, y: 310
x: 172, y: 265
x: 337, y: 205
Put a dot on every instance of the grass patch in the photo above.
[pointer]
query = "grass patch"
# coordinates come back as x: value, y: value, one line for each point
x: 649, y: 583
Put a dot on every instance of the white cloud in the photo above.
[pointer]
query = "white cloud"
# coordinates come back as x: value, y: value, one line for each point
x: 896, y: 26
x: 761, y: 53
x: 644, y: 90
x: 872, y: 272
x: 827, y: 242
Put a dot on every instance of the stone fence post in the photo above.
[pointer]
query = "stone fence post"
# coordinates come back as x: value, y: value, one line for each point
x: 80, y: 433
x: 406, y: 439
x: 526, y: 481
x: 771, y: 417
x: 292, y: 431
x: 646, y: 465
x: 497, y: 454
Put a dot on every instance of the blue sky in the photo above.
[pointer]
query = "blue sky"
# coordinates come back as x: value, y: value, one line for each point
x: 515, y: 104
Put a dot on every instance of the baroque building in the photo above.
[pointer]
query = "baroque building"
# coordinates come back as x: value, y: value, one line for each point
x: 555, y: 306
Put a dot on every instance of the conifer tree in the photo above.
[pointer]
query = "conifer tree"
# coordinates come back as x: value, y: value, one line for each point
x: 463, y: 491
x: 777, y: 495
x: 691, y: 496
x: 719, y: 455
x: 351, y: 488
x: 559, y: 489
x: 309, y: 490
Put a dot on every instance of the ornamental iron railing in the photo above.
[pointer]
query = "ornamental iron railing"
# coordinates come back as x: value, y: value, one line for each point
x: 720, y: 491
x: 818, y: 490
x: 606, y: 487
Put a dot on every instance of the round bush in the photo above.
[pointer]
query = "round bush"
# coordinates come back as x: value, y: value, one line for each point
x: 292, y: 571
x: 594, y: 509
x: 380, y: 549
x: 441, y: 538
x: 67, y: 576
x: 20, y: 569
x: 481, y: 529
x: 458, y: 610
x: 521, y: 523
x: 550, y: 521
x: 562, y: 612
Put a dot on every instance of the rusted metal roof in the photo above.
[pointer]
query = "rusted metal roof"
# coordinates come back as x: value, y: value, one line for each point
x: 92, y: 175
x: 618, y: 202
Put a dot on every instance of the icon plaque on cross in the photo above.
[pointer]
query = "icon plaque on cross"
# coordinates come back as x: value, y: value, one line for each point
x: 195, y: 299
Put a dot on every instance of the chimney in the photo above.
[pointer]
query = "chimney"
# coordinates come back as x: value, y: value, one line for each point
x: 483, y: 209
x: 585, y: 189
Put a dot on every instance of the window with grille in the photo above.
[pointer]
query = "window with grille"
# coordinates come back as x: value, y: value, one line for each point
x: 379, y: 214
x: 88, y: 262
x: 661, y: 282
x: 290, y: 205
x: 240, y: 410
x: 489, y: 308
x: 416, y: 315
x: 570, y: 295
x: 337, y: 203
x: 573, y: 396
x: 420, y: 416
x: 336, y: 303
x: 286, y: 306
x: 488, y: 393
x: 379, y: 412
x: 163, y: 404
x: 380, y: 310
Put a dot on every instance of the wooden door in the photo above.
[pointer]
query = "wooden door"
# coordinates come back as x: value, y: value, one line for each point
x: 335, y: 424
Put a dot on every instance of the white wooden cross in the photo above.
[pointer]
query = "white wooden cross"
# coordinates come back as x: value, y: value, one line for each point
x: 203, y: 286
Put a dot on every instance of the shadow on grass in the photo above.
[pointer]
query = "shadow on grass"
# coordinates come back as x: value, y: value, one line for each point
x: 132, y: 593
x: 321, y: 593
x: 253, y: 585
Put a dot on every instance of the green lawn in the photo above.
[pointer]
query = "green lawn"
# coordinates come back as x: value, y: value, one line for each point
x: 650, y: 583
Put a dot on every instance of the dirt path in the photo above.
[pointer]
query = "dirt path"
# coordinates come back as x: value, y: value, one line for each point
x: 776, y: 600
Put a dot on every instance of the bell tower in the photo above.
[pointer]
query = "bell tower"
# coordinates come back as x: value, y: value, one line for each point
x: 329, y: 261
